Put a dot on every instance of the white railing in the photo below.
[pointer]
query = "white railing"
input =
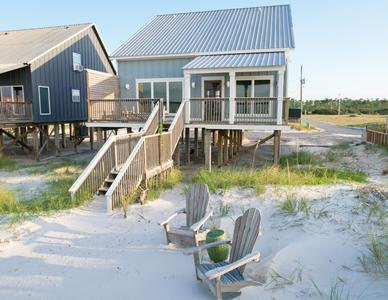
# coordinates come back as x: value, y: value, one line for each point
x: 260, y: 111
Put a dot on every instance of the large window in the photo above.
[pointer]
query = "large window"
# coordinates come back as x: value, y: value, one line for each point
x: 254, y: 87
x: 170, y: 89
x: 44, y: 100
x: 11, y: 94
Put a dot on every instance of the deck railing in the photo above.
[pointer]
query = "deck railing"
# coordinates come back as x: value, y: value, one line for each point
x: 246, y: 110
x: 150, y: 152
x: 177, y: 126
x: 113, y: 154
x: 120, y: 110
x: 377, y: 137
x: 209, y: 110
x: 15, y: 111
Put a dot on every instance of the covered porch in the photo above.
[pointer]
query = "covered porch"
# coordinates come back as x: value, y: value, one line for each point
x: 239, y: 89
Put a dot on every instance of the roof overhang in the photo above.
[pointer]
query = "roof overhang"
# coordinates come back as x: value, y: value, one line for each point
x: 266, y: 59
x: 195, y: 54
x: 10, y: 67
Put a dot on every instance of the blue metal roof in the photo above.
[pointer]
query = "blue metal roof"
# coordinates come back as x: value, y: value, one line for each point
x: 238, y: 60
x: 233, y: 31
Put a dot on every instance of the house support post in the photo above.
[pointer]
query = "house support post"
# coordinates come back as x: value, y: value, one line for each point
x: 63, y: 131
x: 226, y: 157
x: 215, y: 137
x: 46, y: 137
x: 231, y: 146
x: 24, y: 139
x: 219, y: 136
x: 35, y: 142
x: 70, y: 130
x: 208, y: 150
x: 177, y: 156
x: 56, y: 138
x: 195, y: 142
x: 232, y: 96
x: 187, y: 97
x: 280, y: 96
x: 91, y: 137
x: 202, y: 140
x: 235, y: 137
x: 276, y: 147
x: 99, y: 139
x: 187, y: 145
x: 1, y: 144
x: 105, y: 135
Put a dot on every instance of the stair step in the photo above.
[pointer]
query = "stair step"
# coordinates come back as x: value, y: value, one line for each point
x: 109, y: 180
x: 115, y: 173
x: 103, y: 190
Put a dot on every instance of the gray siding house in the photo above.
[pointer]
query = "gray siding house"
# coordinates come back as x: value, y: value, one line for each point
x: 43, y: 77
x: 229, y: 68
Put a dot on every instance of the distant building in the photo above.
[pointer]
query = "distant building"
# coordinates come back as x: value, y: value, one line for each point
x: 42, y: 75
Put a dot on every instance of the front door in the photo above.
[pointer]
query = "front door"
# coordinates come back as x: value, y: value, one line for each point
x: 212, y: 107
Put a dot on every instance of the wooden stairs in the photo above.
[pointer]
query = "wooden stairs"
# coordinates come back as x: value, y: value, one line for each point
x: 108, y: 181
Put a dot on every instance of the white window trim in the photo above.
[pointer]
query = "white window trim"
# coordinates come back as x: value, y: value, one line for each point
x: 252, y: 79
x: 77, y: 63
x: 12, y: 86
x: 79, y: 95
x: 167, y: 81
x: 49, y: 101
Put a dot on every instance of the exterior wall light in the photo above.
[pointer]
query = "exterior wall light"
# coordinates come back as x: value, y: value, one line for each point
x: 193, y: 85
x: 228, y: 83
x: 127, y: 86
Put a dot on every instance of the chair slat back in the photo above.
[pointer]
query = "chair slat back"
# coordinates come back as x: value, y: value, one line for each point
x: 197, y: 202
x: 246, y: 231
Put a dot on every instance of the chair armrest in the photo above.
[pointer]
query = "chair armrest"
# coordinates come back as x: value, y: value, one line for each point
x: 199, y: 224
x: 217, y: 272
x: 183, y: 210
x: 205, y: 246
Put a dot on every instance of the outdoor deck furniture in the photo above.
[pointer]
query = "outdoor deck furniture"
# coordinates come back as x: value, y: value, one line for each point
x: 197, y: 202
x: 228, y: 277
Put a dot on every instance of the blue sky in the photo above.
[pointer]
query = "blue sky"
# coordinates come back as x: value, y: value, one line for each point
x: 341, y: 44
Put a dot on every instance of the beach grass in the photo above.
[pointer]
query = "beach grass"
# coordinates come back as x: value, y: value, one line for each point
x: 54, y: 196
x: 304, y: 126
x: 156, y: 190
x: 277, y: 176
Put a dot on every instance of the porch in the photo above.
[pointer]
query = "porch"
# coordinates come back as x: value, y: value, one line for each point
x: 15, y: 113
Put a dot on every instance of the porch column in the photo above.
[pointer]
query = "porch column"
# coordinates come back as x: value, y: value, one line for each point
x: 232, y: 96
x: 280, y: 96
x: 187, y: 98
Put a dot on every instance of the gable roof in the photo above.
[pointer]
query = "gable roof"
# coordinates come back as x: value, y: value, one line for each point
x: 243, y: 30
x: 19, y: 48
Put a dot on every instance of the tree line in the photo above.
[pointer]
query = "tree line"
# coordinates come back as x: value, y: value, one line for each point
x: 348, y: 106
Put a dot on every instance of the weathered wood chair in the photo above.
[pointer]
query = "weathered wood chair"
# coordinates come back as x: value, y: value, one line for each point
x: 228, y: 277
x: 197, y: 202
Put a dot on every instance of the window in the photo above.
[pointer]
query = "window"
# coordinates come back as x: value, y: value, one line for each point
x: 254, y: 87
x: 44, y: 100
x: 11, y: 94
x: 76, y: 61
x: 75, y: 95
x: 170, y: 89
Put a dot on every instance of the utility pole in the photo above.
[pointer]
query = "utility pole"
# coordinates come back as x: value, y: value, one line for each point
x: 301, y: 101
x: 339, y: 104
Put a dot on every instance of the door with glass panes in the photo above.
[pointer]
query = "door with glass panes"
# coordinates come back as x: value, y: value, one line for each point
x: 212, y: 108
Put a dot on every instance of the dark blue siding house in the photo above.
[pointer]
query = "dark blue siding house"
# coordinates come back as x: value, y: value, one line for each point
x: 43, y: 79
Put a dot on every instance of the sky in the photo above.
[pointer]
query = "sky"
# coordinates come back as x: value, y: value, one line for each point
x: 341, y: 44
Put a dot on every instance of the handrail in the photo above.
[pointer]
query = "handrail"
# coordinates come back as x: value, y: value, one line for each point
x: 107, y: 150
x: 132, y: 181
x: 15, y: 111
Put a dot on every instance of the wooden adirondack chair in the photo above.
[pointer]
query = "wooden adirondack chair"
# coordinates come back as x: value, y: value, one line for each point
x: 228, y: 277
x: 197, y: 202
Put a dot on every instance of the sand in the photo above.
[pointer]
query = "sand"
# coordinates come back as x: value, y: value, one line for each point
x: 86, y: 253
